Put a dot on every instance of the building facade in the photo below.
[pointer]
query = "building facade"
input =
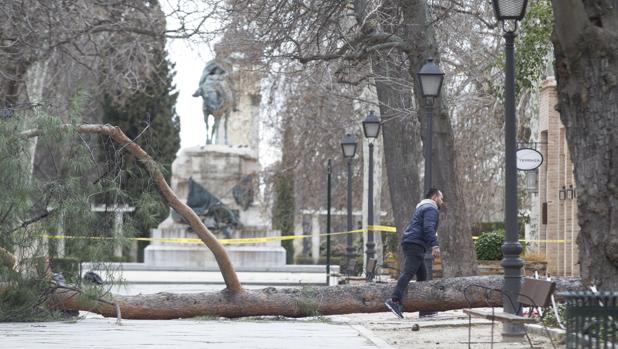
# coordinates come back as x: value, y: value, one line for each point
x: 558, y: 227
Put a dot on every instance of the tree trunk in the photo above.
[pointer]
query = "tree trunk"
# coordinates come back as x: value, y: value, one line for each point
x: 454, y: 232
x: 401, y: 139
x: 586, y: 50
x: 437, y: 295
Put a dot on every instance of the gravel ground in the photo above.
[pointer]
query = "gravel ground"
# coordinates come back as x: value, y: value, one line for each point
x: 444, y: 330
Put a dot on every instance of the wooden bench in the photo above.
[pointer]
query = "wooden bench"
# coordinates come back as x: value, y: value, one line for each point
x: 534, y: 293
x: 500, y: 316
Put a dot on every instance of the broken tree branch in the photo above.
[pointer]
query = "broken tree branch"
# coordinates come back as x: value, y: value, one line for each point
x: 225, y: 265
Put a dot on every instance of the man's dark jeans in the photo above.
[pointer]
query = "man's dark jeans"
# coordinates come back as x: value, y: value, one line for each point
x: 414, y: 265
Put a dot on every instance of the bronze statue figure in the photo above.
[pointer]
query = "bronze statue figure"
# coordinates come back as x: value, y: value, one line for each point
x: 217, y: 98
x: 213, y: 213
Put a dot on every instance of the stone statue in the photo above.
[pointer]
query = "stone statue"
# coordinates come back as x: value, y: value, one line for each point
x: 217, y: 98
x: 210, y: 209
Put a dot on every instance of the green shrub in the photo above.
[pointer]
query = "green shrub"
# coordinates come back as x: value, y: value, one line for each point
x: 488, y: 246
x: 482, y: 227
x: 550, y: 320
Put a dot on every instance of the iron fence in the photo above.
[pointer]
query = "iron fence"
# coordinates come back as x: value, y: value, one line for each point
x: 591, y: 319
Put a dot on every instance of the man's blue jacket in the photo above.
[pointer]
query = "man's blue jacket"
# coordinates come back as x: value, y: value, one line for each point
x: 422, y: 228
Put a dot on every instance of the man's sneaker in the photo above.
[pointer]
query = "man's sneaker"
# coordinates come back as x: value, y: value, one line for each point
x: 395, y: 307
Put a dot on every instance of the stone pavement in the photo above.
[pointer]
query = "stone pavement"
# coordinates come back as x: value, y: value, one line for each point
x: 381, y: 330
x: 97, y: 332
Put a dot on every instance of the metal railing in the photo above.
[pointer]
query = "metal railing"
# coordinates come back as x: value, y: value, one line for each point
x: 591, y: 319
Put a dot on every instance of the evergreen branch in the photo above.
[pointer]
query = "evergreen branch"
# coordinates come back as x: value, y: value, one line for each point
x: 7, y: 258
x: 33, y: 220
x: 6, y: 214
x: 115, y: 133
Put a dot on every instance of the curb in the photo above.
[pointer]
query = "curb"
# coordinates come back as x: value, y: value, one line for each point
x: 556, y: 334
x: 367, y: 333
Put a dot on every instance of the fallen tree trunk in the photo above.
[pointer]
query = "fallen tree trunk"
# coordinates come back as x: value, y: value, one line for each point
x: 437, y: 295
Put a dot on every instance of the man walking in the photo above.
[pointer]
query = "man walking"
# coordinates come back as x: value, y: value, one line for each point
x: 418, y: 237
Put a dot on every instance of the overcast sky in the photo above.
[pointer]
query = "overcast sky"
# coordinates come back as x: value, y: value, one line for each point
x: 190, y: 62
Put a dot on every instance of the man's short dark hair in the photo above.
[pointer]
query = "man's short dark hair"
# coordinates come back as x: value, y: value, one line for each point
x: 431, y: 193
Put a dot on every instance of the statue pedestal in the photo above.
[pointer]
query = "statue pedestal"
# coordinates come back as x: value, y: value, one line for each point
x: 218, y: 168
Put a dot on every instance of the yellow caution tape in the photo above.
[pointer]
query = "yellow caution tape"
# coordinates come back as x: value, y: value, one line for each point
x: 257, y: 240
x: 537, y: 241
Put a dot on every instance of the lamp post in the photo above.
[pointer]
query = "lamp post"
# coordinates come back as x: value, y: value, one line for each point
x: 329, y: 172
x: 430, y: 78
x: 371, y: 128
x: 510, y: 12
x: 348, y: 147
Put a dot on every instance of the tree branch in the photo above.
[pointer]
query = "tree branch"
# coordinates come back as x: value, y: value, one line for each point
x: 115, y: 133
x: 33, y: 220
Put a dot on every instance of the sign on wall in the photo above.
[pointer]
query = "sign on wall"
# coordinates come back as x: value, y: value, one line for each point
x: 528, y: 159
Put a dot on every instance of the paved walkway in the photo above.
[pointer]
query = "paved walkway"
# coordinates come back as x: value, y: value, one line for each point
x: 381, y: 330
x: 97, y: 332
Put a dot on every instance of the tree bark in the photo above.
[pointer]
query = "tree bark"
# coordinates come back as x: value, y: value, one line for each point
x: 401, y: 137
x: 437, y: 295
x: 586, y: 51
x: 454, y: 231
x: 221, y: 256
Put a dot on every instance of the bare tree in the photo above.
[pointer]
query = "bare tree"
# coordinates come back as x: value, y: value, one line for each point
x: 352, y: 36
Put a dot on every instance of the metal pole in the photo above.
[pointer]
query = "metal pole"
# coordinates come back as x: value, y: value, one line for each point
x: 329, y: 170
x: 511, y: 248
x: 428, y: 174
x: 428, y: 165
x: 350, y: 255
x: 428, y: 148
x: 370, y: 244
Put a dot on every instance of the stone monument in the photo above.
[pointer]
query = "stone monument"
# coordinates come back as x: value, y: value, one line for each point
x: 219, y: 179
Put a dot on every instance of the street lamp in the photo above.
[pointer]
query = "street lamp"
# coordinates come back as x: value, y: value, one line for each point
x: 562, y: 193
x: 510, y: 11
x: 570, y: 192
x: 430, y: 78
x: 348, y: 146
x: 532, y: 184
x: 371, y: 128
